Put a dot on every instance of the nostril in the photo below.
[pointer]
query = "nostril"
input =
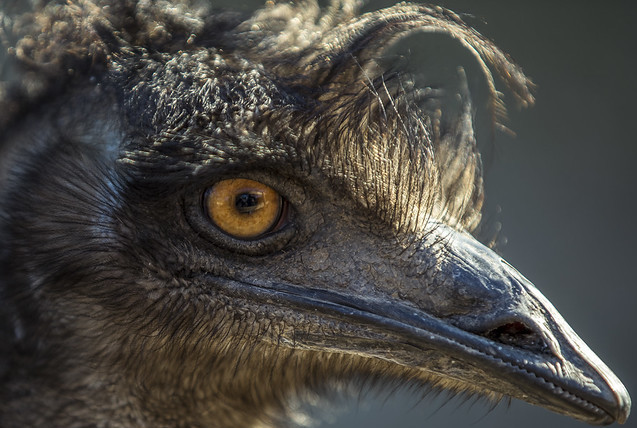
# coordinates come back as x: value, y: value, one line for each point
x: 519, y: 335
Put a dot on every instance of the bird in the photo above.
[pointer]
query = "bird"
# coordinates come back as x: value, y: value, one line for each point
x: 218, y: 213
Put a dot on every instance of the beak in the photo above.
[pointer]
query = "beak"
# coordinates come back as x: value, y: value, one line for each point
x: 477, y: 322
x: 537, y: 355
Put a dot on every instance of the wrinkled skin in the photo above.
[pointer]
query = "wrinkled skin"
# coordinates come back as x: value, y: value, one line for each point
x: 123, y: 305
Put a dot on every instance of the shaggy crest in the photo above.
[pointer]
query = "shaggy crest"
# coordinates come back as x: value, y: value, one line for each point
x: 313, y: 70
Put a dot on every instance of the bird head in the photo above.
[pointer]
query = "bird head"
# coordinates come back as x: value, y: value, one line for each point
x: 212, y: 212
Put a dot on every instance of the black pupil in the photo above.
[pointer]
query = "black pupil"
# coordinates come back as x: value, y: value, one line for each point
x: 247, y: 202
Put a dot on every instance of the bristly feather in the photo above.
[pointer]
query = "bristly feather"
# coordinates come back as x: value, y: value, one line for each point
x: 290, y: 63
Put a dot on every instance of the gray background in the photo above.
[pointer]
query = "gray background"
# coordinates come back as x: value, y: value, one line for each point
x: 565, y: 186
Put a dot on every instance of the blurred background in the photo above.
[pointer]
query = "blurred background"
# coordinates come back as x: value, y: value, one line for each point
x: 564, y: 190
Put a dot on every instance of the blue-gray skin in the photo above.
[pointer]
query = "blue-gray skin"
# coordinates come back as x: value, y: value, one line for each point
x: 122, y: 303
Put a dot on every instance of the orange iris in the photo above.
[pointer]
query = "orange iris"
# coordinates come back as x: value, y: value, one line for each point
x: 242, y: 208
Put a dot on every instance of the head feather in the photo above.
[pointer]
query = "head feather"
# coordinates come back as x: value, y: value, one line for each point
x: 292, y: 75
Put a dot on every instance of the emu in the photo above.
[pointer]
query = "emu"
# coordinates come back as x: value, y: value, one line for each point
x: 217, y: 213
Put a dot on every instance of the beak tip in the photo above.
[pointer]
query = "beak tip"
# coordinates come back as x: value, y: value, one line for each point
x: 623, y: 408
x: 622, y: 400
x: 618, y: 402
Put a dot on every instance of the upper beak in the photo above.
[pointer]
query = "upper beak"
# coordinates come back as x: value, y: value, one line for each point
x: 542, y: 358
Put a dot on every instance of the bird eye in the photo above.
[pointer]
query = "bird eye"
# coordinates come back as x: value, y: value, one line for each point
x: 244, y: 209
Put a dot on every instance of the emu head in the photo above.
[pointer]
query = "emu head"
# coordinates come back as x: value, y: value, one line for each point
x: 204, y: 214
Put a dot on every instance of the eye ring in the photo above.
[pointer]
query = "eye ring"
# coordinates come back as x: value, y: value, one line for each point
x: 245, y: 209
